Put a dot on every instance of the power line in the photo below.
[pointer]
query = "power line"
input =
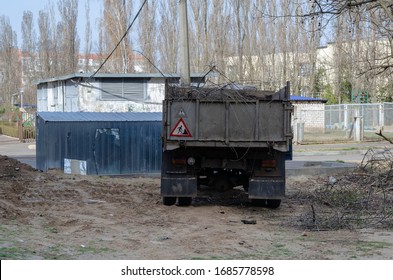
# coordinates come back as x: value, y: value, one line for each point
x: 141, y: 53
x: 211, y: 69
x: 118, y: 44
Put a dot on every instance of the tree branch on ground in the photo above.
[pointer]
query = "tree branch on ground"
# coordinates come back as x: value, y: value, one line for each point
x: 384, y: 137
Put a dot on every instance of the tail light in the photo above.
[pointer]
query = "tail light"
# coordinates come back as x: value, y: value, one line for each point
x: 183, y: 161
x: 179, y: 161
x: 268, y: 163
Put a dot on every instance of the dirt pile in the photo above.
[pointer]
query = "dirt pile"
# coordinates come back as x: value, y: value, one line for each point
x: 14, y: 178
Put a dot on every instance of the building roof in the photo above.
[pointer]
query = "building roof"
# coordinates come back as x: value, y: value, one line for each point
x: 118, y: 75
x: 100, y: 117
x: 298, y: 98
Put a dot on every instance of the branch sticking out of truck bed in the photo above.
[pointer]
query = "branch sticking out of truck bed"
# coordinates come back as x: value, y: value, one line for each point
x: 177, y: 93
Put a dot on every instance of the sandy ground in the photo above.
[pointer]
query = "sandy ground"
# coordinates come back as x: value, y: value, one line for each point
x: 57, y: 216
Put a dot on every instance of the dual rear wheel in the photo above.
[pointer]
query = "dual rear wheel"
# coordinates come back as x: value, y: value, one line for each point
x: 269, y: 203
x: 171, y: 200
x: 186, y: 201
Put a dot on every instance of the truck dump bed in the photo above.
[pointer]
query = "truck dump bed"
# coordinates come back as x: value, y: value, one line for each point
x: 216, y: 117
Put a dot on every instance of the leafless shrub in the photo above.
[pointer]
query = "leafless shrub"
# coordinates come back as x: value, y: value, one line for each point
x: 361, y: 199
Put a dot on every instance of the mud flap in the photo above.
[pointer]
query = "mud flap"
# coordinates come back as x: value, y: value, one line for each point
x: 179, y: 186
x: 266, y: 188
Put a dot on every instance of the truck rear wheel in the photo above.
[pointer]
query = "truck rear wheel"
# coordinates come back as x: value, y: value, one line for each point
x: 246, y: 185
x: 258, y: 202
x: 273, y: 203
x: 185, y: 201
x: 269, y: 203
x: 169, y: 200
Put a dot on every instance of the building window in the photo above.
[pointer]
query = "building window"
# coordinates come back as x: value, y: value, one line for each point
x: 121, y: 89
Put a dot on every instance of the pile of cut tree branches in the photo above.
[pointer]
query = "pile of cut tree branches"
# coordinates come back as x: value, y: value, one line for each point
x: 361, y: 199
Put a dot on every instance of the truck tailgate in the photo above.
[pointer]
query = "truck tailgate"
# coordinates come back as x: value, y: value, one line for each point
x: 243, y: 121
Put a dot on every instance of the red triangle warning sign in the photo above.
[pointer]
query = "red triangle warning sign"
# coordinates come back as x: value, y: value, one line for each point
x: 181, y: 129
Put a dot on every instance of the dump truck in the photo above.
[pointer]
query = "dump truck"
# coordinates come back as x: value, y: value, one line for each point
x: 222, y: 138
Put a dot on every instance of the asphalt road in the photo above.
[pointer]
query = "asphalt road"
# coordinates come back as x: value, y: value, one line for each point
x: 340, y: 152
x: 24, y: 152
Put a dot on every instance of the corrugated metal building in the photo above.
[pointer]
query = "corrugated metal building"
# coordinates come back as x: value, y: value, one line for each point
x: 99, y: 143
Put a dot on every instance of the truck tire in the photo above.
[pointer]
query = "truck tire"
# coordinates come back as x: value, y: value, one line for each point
x: 258, y: 202
x: 273, y: 203
x: 269, y: 203
x: 185, y: 201
x: 246, y: 185
x: 169, y: 200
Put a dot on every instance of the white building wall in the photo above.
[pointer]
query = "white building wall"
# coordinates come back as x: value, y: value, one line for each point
x: 51, y: 99
x: 311, y: 114
x: 90, y: 99
x: 58, y: 96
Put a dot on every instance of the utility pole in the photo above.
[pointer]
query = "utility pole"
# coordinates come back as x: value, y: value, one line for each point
x: 185, y: 79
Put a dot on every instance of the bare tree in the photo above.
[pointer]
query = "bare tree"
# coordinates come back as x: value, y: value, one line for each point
x: 116, y: 16
x: 88, y: 41
x: 295, y: 41
x: 269, y: 41
x: 238, y: 7
x: 147, y: 35
x: 273, y: 50
x: 219, y: 22
x: 28, y: 33
x: 9, y: 61
x: 199, y: 54
x: 67, y: 29
x: 45, y: 46
x: 168, y: 32
x: 378, y: 14
x: 368, y: 43
x: 314, y: 41
x: 28, y: 57
x: 261, y: 47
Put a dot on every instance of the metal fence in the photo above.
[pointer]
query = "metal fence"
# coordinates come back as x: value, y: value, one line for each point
x: 375, y: 116
x: 19, y: 125
x: 26, y: 127
x: 339, y: 122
